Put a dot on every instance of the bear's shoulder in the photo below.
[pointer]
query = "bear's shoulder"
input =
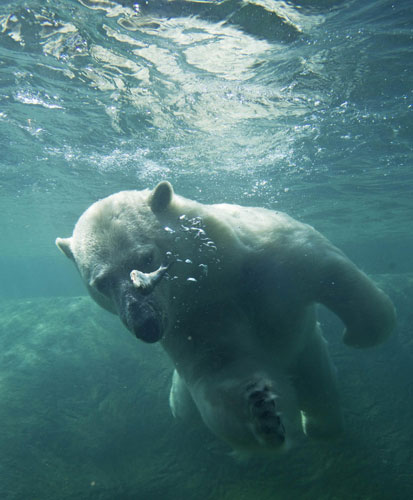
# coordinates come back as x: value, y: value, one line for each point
x: 255, y: 226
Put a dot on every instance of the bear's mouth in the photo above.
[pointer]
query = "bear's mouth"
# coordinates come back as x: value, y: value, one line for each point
x: 139, y: 313
x: 150, y: 331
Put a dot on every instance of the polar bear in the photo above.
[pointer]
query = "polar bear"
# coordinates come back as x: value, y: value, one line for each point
x: 230, y: 293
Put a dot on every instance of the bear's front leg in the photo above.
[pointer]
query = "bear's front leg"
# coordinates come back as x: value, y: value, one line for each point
x: 180, y: 400
x: 368, y: 314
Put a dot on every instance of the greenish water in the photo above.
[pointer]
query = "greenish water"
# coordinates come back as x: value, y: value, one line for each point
x: 299, y: 106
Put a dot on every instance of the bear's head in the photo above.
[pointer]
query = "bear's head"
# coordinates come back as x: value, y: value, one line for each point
x: 118, y: 246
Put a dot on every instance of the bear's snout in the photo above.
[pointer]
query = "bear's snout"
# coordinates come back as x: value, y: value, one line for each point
x: 150, y: 331
x: 141, y: 319
x: 139, y: 313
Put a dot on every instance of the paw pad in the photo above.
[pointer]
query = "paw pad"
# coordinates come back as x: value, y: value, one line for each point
x: 266, y: 421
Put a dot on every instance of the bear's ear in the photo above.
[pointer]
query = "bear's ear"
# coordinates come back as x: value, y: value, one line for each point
x: 63, y: 244
x: 161, y: 197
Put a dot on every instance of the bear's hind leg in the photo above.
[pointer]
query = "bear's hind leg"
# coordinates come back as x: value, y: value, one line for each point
x: 265, y: 423
x: 317, y: 394
x: 249, y: 413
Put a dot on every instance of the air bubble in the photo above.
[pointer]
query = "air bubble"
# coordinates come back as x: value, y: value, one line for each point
x: 204, y: 269
x: 210, y: 244
x: 198, y: 232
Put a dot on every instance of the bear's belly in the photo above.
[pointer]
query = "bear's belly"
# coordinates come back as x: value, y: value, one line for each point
x: 213, y: 340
